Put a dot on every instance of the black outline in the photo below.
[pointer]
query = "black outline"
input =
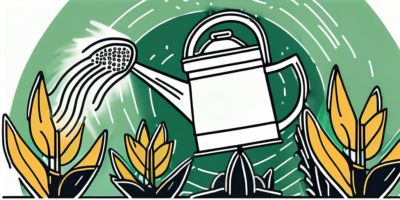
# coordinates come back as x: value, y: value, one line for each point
x: 81, y: 110
x: 9, y: 122
x: 85, y: 79
x: 79, y: 147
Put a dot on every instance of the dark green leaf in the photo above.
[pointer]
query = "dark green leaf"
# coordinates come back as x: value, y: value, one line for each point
x: 172, y: 184
x: 382, y: 179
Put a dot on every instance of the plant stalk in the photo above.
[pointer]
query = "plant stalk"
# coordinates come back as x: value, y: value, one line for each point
x: 358, y: 172
x: 55, y: 168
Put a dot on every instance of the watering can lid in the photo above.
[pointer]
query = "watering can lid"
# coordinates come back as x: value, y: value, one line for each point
x: 220, y: 41
x: 218, y: 50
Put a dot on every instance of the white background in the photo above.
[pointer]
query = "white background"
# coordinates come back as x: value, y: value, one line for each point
x: 23, y: 22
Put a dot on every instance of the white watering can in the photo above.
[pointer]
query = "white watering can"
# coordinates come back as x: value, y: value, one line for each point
x: 227, y: 97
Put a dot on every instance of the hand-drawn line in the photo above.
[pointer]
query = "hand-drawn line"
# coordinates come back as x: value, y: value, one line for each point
x: 262, y: 161
x: 95, y: 116
x: 109, y: 110
x: 295, y: 2
x: 165, y: 60
x: 348, y: 44
x: 323, y: 23
x: 320, y: 76
x: 286, y: 146
x: 291, y: 185
x: 286, y: 175
x: 288, y: 34
x: 151, y: 101
x: 283, y: 80
x: 309, y: 33
x: 136, y: 20
x: 207, y: 172
x: 198, y: 186
x: 370, y: 66
x: 322, y: 8
x: 165, y: 22
x: 120, y: 92
x: 129, y: 120
x: 326, y: 34
x: 284, y: 162
x: 260, y: 2
x: 151, y: 58
x: 133, y: 95
x: 126, y: 12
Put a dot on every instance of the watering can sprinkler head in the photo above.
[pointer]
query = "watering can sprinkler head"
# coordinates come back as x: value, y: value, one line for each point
x: 105, y: 62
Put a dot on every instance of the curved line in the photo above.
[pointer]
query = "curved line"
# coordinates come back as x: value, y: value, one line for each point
x: 65, y: 74
x: 28, y: 189
x: 84, y: 99
x: 84, y: 77
x: 151, y: 101
x: 380, y: 126
x: 47, y: 143
x: 165, y: 157
x: 102, y: 86
x: 15, y: 139
x: 79, y: 147
x: 319, y: 136
x: 67, y: 85
x: 31, y: 95
x: 75, y: 104
x: 165, y: 22
x: 135, y: 155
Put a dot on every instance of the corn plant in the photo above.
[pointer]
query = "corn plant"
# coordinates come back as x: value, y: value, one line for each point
x: 151, y: 158
x: 333, y: 172
x: 239, y: 180
x: 42, y: 179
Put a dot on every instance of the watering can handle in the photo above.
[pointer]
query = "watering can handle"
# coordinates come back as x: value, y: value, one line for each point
x: 223, y: 17
x: 301, y: 76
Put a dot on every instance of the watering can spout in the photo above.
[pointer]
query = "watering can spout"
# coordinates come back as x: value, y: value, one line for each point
x: 172, y: 89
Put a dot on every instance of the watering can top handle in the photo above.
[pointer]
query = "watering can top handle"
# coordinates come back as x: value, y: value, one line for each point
x: 222, y: 17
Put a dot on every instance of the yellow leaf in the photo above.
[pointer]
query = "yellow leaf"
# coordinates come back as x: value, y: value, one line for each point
x: 40, y: 118
x: 394, y: 154
x: 143, y: 134
x: 161, y: 153
x: 159, y: 137
x: 163, y: 164
x: 327, y: 154
x: 66, y: 139
x: 373, y: 105
x: 22, y: 158
x: 136, y: 153
x: 68, y: 153
x: 96, y: 152
x: 343, y: 119
x: 374, y: 130
x: 120, y: 168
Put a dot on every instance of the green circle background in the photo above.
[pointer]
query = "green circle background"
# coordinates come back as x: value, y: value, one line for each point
x: 362, y: 28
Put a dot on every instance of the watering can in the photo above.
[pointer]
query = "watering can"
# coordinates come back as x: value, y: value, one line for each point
x: 227, y: 97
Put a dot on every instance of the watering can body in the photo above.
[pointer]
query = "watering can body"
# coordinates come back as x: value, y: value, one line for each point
x: 227, y: 97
